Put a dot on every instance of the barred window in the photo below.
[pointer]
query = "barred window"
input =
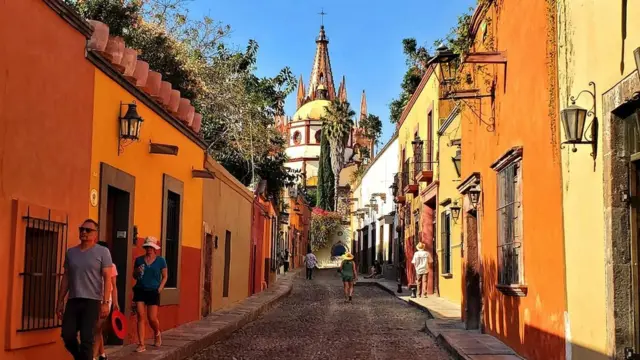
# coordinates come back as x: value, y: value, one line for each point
x: 445, y: 238
x: 416, y: 229
x: 509, y: 225
x: 45, y: 244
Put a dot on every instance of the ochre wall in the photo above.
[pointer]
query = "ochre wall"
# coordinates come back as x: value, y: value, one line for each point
x: 148, y: 170
x: 590, y: 48
x: 45, y: 149
x: 415, y: 119
x: 228, y: 207
x: 450, y: 286
x: 525, y: 115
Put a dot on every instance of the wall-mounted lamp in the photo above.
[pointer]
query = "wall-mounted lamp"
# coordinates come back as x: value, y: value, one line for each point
x: 474, y: 196
x: 574, y: 119
x: 457, y: 162
x: 455, y: 212
x: 130, y: 125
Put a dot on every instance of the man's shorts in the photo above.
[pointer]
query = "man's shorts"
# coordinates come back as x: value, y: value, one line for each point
x: 148, y: 297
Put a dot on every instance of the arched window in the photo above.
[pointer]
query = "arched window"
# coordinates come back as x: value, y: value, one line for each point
x: 338, y: 249
x: 297, y: 137
x: 318, y: 136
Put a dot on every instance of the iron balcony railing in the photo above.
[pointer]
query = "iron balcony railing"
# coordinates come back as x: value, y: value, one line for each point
x: 406, y: 171
x: 423, y: 156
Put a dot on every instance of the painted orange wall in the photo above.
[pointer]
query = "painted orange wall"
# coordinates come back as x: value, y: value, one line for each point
x: 525, y: 115
x: 148, y: 169
x: 228, y: 206
x: 45, y: 122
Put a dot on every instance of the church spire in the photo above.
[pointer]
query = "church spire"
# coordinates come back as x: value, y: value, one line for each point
x: 301, y: 93
x: 321, y: 73
x: 363, y: 107
x: 342, y: 91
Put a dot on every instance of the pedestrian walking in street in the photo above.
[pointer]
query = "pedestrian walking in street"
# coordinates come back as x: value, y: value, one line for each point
x: 310, y: 261
x: 349, y: 275
x: 87, y: 281
x: 150, y: 271
x: 286, y: 260
x: 421, y: 260
x: 98, y: 345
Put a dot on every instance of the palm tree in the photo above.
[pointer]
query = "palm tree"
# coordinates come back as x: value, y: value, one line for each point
x: 337, y: 124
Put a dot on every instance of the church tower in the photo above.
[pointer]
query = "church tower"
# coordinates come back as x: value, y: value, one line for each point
x: 304, y: 129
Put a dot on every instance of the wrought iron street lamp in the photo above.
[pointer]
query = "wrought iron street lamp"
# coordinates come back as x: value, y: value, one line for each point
x: 455, y: 211
x: 474, y: 196
x: 574, y: 120
x: 130, y: 125
x: 448, y: 63
x: 457, y: 162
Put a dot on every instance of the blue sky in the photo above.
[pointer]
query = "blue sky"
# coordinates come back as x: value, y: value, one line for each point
x: 365, y: 39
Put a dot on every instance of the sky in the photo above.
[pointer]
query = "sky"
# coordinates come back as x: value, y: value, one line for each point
x: 365, y: 39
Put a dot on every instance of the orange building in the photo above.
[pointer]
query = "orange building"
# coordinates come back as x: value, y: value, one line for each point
x: 45, y: 152
x: 297, y: 239
x: 511, y: 178
x: 147, y: 179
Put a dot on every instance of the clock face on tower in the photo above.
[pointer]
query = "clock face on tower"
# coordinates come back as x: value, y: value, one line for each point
x: 318, y: 136
x: 297, y: 137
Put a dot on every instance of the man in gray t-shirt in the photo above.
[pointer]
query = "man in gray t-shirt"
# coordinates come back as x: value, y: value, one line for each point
x: 87, y: 280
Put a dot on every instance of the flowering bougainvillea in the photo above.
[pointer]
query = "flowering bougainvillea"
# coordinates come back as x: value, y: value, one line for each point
x: 323, y: 225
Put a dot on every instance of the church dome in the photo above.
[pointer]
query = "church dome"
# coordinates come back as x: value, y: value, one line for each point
x: 312, y: 110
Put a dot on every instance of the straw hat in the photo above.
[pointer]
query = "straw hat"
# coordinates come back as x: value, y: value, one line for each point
x: 152, y: 242
x: 348, y: 256
x: 420, y: 246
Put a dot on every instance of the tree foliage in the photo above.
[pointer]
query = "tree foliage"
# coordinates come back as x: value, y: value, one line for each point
x: 323, y: 225
x: 416, y: 58
x: 326, y: 191
x: 238, y: 107
x: 337, y: 124
x: 372, y: 127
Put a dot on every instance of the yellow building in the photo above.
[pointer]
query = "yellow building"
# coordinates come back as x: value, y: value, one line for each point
x: 449, y: 220
x: 596, y: 42
x: 417, y: 190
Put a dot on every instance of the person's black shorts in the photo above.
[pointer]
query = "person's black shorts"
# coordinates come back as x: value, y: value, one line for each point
x: 148, y: 297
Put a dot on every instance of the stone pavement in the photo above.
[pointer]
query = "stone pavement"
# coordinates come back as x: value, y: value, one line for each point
x: 316, y: 322
x: 190, y: 338
x: 446, y: 326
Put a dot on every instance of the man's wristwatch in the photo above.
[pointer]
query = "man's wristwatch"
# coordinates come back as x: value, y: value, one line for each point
x: 105, y: 302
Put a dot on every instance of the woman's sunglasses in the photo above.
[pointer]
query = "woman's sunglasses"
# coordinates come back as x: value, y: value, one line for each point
x: 85, y: 229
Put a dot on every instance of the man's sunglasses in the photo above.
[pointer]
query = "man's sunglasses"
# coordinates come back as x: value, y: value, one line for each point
x: 85, y: 229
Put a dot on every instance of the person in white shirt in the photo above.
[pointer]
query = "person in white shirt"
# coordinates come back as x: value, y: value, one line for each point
x: 421, y: 261
x: 310, y: 261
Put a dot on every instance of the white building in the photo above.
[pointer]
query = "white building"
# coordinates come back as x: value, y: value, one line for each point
x: 373, y: 209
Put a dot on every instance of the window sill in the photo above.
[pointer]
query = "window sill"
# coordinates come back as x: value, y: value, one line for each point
x: 447, y: 275
x: 513, y: 290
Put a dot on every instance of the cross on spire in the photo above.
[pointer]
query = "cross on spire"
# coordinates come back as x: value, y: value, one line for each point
x: 322, y: 14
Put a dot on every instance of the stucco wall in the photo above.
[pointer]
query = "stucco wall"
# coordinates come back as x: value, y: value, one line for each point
x: 45, y: 151
x: 227, y: 207
x: 450, y: 285
x: 537, y: 318
x: 590, y: 48
x: 148, y: 170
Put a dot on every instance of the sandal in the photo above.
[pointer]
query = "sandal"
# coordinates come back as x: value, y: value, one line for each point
x: 141, y: 348
x: 158, y: 339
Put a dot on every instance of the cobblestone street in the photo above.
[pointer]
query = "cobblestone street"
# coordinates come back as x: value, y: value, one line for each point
x: 315, y: 322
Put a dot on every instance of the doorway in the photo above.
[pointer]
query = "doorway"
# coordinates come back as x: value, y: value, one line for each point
x: 472, y: 299
x: 367, y: 253
x: 117, y: 191
x: 374, y: 245
x: 207, y: 261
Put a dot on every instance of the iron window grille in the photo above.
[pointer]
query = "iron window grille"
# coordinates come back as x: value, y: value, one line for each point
x: 422, y: 155
x: 509, y: 225
x: 445, y: 221
x: 416, y: 227
x: 45, y: 246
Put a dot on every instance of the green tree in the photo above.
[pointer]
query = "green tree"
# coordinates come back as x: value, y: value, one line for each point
x: 416, y: 58
x: 337, y: 124
x: 325, y: 186
x: 372, y: 127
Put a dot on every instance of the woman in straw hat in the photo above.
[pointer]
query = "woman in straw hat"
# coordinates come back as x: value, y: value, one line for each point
x: 150, y: 271
x: 349, y: 275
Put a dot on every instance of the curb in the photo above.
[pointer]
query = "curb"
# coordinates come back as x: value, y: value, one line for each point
x: 189, y: 339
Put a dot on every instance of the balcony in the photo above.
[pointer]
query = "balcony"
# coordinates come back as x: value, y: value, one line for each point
x: 410, y: 186
x: 423, y: 161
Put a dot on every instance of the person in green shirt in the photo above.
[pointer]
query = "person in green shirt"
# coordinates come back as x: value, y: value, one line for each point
x: 349, y: 275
